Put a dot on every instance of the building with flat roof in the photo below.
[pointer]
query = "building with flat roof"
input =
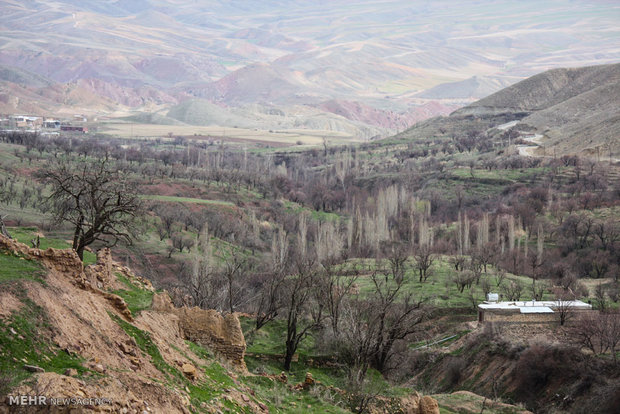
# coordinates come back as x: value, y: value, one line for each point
x: 534, y: 311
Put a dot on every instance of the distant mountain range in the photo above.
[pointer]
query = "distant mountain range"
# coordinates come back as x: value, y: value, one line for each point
x: 381, y: 65
x: 575, y: 110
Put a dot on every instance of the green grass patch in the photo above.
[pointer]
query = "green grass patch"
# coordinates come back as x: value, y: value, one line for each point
x: 16, y: 267
x: 26, y: 234
x: 320, y: 398
x: 271, y: 338
x: 321, y: 216
x: 174, y: 199
x: 280, y: 399
x: 501, y: 175
x: 200, y: 351
x: 138, y: 299
x: 440, y: 290
x: 25, y: 338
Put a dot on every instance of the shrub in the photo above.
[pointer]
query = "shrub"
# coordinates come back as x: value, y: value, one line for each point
x: 454, y: 370
x: 539, y: 366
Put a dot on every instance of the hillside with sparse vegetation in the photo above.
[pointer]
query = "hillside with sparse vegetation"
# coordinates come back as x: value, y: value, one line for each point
x: 352, y: 273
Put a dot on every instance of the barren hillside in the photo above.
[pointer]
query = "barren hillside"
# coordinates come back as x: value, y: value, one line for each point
x: 574, y: 110
x: 392, y: 56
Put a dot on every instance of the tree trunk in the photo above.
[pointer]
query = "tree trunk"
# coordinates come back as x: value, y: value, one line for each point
x: 291, y: 342
x: 230, y: 295
x: 80, y: 250
x: 291, y: 347
x: 76, y: 237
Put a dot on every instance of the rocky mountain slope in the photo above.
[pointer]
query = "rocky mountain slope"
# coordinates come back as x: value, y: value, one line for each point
x: 547, y: 89
x: 576, y: 110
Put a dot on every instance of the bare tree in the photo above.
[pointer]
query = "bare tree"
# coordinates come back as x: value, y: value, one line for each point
x: 97, y: 200
x: 234, y: 265
x: 373, y: 325
x: 500, y: 275
x: 270, y: 300
x: 611, y: 333
x: 564, y: 305
x: 484, y: 255
x: 464, y: 279
x: 335, y: 288
x: 424, y: 260
x: 473, y: 299
x: 299, y: 290
x: 205, y: 288
x: 599, y: 332
x: 601, y: 297
x: 458, y: 262
x: 512, y: 290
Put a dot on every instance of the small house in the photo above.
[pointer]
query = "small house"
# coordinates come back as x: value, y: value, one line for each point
x: 533, y: 311
x: 74, y: 128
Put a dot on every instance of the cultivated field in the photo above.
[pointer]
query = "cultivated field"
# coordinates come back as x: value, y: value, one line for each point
x: 279, y: 138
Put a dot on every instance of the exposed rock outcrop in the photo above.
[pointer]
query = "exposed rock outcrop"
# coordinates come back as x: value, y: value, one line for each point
x: 189, y: 371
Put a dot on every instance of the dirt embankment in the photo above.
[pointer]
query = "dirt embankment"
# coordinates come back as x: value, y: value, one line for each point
x: 86, y: 320
x: 542, y: 373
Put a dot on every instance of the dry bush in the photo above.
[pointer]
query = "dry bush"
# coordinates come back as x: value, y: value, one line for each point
x: 597, y: 331
x: 540, y: 366
x: 454, y: 371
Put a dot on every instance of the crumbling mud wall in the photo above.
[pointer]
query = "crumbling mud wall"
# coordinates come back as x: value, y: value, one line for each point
x: 209, y: 328
x: 65, y: 261
x: 103, y: 273
x: 517, y: 317
x: 220, y: 333
x: 93, y: 278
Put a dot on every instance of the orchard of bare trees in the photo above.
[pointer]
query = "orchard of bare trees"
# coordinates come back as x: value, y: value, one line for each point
x: 356, y: 250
